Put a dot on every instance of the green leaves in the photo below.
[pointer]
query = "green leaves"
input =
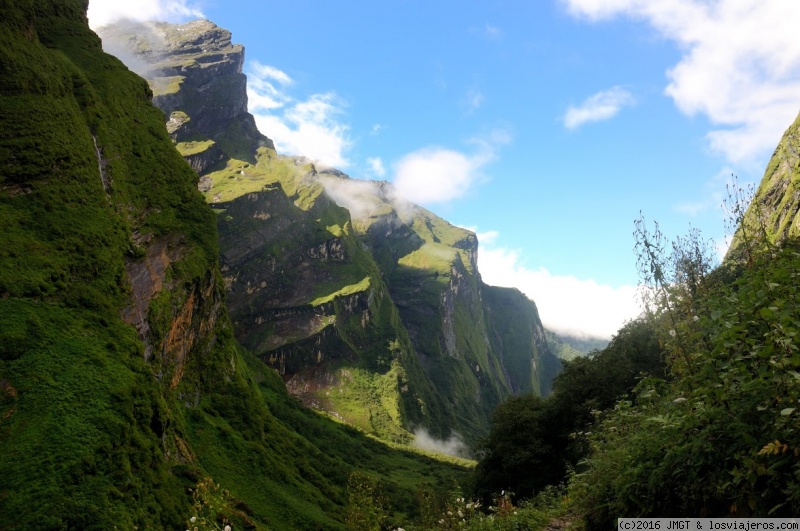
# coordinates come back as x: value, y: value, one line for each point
x: 702, y: 444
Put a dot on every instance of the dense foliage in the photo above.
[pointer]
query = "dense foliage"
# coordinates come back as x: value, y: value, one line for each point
x: 535, y: 441
x: 712, y: 431
x: 721, y: 438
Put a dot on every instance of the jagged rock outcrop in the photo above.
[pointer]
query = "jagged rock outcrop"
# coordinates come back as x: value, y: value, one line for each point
x: 195, y: 58
x: 336, y: 282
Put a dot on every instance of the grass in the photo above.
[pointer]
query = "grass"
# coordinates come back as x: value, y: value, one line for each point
x: 187, y: 149
x: 300, y: 482
x: 164, y: 86
x: 80, y: 442
x: 240, y: 177
x: 343, y: 292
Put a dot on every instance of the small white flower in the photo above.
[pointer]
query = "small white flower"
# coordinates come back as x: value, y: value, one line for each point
x: 672, y: 333
x: 193, y: 519
x: 695, y: 318
x: 228, y: 528
x: 679, y: 400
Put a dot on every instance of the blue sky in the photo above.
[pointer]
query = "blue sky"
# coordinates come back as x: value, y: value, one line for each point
x: 546, y: 126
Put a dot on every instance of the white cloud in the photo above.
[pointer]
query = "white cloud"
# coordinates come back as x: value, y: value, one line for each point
x: 454, y: 445
x: 262, y: 94
x: 485, y: 238
x: 438, y: 175
x: 601, y: 106
x: 740, y: 64
x: 362, y: 198
x: 103, y: 12
x: 376, y: 165
x: 310, y: 127
x: 265, y: 72
x: 566, y: 304
x: 435, y: 175
x: 377, y: 128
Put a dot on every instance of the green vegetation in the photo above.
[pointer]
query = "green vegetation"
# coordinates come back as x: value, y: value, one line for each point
x: 711, y: 430
x: 126, y: 402
x: 547, y: 435
x: 435, y: 259
x: 103, y: 425
x: 517, y: 330
x: 343, y: 292
x: 721, y: 437
x: 187, y: 149
x: 163, y: 86
x: 290, y: 465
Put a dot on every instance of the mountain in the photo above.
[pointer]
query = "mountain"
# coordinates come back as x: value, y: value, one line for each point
x: 125, y: 400
x: 773, y: 212
x: 568, y: 347
x: 370, y: 307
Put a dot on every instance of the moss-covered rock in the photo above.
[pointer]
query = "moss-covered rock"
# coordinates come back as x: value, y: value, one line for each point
x: 774, y: 213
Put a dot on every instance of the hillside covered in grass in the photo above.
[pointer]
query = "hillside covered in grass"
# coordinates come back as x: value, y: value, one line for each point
x: 125, y: 400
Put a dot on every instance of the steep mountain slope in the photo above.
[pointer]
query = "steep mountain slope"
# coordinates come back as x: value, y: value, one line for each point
x: 370, y: 307
x: 774, y: 210
x: 125, y: 400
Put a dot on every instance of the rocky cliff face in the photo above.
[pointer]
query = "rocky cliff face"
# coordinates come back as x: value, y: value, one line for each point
x: 774, y: 211
x: 195, y: 73
x: 370, y: 307
x: 125, y: 401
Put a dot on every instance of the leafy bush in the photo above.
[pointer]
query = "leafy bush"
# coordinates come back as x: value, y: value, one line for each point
x: 721, y: 437
x: 535, y: 441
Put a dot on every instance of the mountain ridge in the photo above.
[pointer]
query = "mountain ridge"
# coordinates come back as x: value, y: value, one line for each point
x: 126, y: 400
x: 381, y: 286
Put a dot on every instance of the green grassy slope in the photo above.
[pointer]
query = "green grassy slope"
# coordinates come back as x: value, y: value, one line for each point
x: 94, y: 435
